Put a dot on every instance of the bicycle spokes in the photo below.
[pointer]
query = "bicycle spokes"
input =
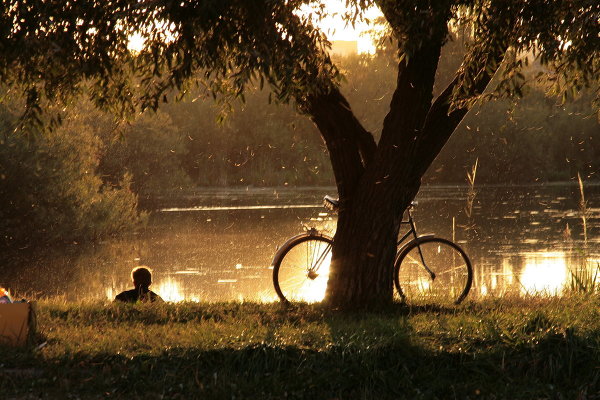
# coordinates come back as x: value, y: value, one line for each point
x: 303, y: 271
x: 433, y: 269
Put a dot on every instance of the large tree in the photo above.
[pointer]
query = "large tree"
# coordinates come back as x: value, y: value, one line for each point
x: 52, y: 49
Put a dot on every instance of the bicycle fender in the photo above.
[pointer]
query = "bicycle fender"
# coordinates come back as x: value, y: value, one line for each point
x: 310, y: 233
x: 419, y: 238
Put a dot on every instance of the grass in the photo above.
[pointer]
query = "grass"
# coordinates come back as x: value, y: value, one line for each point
x: 470, y: 227
x: 471, y: 193
x: 491, y: 349
x: 585, y: 279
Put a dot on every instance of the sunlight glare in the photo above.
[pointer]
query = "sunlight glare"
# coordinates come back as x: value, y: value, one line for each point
x: 544, y: 273
x: 302, y: 288
x: 110, y: 293
x: 136, y: 43
x: 424, y: 284
x: 314, y: 290
x: 267, y: 296
x: 170, y: 290
x: 336, y: 29
x: 483, y: 290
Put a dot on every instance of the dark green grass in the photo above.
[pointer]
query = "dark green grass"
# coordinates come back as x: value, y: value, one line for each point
x: 494, y: 349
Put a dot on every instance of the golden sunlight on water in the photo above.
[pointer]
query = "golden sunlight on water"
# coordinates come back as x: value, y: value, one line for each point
x: 544, y: 273
x: 110, y: 293
x: 170, y: 290
x: 496, y: 280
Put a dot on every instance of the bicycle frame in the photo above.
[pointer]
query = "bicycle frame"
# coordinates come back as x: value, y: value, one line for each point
x: 332, y: 204
x: 413, y: 230
x: 315, y: 247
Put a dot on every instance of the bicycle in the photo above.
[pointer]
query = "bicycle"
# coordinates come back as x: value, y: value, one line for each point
x: 426, y: 267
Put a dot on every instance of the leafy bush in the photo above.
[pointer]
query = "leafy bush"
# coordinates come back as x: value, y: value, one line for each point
x: 50, y: 192
x: 533, y: 139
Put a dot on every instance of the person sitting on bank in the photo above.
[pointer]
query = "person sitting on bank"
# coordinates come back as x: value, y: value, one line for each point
x: 142, y: 279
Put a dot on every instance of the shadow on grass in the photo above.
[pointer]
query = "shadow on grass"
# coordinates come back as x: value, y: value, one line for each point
x: 367, y: 360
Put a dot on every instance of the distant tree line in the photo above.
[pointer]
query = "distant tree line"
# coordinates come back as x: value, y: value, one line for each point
x: 82, y: 180
x: 533, y: 139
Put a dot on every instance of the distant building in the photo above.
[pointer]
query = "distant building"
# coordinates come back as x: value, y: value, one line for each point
x: 344, y: 48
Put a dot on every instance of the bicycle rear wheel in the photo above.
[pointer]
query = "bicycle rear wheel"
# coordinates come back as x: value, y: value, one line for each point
x: 301, y: 268
x: 451, y: 273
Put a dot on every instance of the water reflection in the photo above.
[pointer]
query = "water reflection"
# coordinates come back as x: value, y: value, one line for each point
x: 528, y: 240
x: 544, y: 273
x: 170, y: 290
x: 541, y: 273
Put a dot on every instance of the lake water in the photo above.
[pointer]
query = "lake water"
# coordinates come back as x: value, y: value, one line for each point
x: 217, y: 245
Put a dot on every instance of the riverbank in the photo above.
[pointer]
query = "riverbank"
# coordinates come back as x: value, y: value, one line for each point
x: 532, y: 348
x: 212, y: 197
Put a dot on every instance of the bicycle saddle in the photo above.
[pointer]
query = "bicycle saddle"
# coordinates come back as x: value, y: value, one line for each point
x: 331, y: 203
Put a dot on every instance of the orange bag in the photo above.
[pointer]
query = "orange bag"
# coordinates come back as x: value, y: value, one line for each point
x: 17, y: 324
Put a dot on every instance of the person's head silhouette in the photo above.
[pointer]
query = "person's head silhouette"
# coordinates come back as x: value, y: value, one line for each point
x: 141, y: 277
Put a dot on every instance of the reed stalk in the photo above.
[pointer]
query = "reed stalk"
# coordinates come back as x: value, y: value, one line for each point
x: 583, y: 211
x: 471, y: 193
x: 585, y: 278
x: 470, y: 201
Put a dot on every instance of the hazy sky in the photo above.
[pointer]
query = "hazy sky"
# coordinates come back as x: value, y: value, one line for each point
x: 337, y: 29
x: 334, y: 27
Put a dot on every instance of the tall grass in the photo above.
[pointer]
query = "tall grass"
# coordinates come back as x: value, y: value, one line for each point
x: 471, y: 192
x: 585, y: 276
x: 494, y: 349
x: 585, y: 279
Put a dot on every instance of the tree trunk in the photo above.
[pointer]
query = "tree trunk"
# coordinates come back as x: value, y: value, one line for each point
x: 364, y: 246
x: 377, y: 181
x: 372, y: 204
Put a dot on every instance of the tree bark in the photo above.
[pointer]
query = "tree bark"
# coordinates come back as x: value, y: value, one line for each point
x: 351, y: 147
x: 365, y: 245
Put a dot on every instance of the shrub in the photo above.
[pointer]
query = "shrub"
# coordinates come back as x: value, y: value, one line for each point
x: 50, y: 192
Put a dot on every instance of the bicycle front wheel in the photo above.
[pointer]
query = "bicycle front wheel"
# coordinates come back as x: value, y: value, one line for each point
x: 431, y: 269
x: 301, y: 268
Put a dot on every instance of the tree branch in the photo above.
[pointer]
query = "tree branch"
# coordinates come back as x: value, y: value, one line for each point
x: 351, y: 147
x: 441, y: 121
x: 412, y: 97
